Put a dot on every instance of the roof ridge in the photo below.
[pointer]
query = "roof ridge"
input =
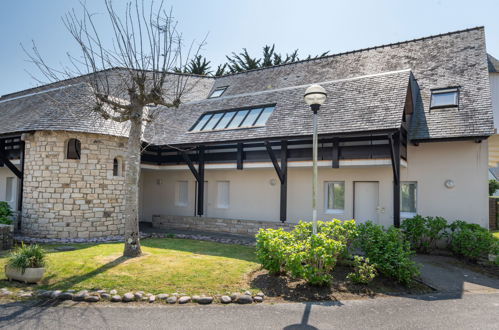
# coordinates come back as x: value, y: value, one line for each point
x: 356, y: 51
x: 27, y: 90
x: 303, y: 85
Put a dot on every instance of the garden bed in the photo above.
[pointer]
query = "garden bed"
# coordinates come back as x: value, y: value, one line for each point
x: 284, y: 288
x: 187, y: 267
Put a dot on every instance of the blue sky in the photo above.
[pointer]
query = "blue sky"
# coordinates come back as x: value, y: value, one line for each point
x: 312, y: 26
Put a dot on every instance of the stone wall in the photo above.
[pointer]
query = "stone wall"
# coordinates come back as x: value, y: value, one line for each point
x: 241, y: 227
x: 69, y: 198
x: 6, y: 237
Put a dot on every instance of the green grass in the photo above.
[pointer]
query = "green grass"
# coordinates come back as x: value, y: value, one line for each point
x: 167, y: 266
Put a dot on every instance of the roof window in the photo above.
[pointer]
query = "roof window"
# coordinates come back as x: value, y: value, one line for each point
x: 232, y: 119
x: 444, y: 98
x: 217, y: 92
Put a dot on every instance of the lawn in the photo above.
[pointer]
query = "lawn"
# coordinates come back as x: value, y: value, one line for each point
x: 167, y: 266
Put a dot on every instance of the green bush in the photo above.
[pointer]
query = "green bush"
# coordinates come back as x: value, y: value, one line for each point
x: 27, y: 256
x: 303, y: 255
x: 471, y: 241
x: 493, y: 186
x: 363, y: 271
x: 271, y: 247
x: 314, y: 258
x: 388, y: 250
x: 5, y: 213
x: 424, y: 232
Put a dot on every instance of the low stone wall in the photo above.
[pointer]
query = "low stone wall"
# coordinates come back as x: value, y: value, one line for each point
x: 232, y: 226
x: 6, y: 237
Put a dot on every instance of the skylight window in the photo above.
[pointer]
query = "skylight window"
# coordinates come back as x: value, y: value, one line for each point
x: 443, y: 98
x: 232, y: 119
x: 217, y: 92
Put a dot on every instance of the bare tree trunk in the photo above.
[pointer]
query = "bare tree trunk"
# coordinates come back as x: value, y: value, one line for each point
x: 132, y: 235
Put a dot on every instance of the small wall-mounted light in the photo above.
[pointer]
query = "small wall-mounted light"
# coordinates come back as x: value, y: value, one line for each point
x: 449, y: 184
x: 273, y: 182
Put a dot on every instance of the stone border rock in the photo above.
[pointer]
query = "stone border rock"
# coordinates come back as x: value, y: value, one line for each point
x: 139, y: 296
x: 117, y: 238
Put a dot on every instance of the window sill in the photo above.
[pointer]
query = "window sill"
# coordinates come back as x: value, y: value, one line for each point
x: 335, y: 211
x: 406, y: 215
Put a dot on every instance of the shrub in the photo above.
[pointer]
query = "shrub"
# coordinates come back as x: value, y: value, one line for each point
x: 27, y: 256
x: 303, y: 255
x: 5, y: 213
x: 364, y: 272
x: 424, y: 232
x: 271, y: 246
x: 389, y: 250
x: 471, y: 241
x: 493, y: 186
x: 314, y: 258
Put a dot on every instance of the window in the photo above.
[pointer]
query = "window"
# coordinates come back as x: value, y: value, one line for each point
x: 118, y: 166
x: 233, y: 119
x: 217, y: 92
x: 335, y: 197
x: 181, y: 193
x: 9, y: 189
x: 73, y: 149
x: 442, y: 98
x: 408, y: 199
x: 223, y: 194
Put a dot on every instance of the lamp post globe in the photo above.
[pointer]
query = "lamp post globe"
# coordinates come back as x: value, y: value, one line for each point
x: 315, y: 96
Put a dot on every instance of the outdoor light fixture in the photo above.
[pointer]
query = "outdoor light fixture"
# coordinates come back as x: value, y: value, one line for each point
x: 315, y: 96
x: 449, y: 184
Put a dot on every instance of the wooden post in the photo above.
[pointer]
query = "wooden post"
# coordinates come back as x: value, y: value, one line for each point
x: 201, y: 181
x: 395, y: 155
x: 284, y: 183
x: 336, y: 153
x: 240, y: 150
x: 20, y: 186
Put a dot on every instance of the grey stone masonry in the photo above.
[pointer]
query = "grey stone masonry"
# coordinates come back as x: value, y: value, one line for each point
x: 72, y: 198
x: 6, y: 238
x: 241, y: 227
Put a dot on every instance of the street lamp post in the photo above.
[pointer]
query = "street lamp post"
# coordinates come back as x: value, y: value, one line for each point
x: 314, y: 96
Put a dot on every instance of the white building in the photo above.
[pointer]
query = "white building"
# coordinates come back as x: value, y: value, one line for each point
x: 404, y: 131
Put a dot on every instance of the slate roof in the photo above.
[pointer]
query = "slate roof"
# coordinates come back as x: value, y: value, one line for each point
x: 366, y: 93
x: 493, y: 64
x: 360, y: 104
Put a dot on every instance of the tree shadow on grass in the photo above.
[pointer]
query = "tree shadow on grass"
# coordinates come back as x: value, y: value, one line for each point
x: 70, y: 282
x: 232, y: 251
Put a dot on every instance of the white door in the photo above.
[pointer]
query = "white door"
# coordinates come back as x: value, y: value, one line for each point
x: 366, y: 201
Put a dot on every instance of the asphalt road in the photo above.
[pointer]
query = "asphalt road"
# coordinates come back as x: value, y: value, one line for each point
x: 439, y: 311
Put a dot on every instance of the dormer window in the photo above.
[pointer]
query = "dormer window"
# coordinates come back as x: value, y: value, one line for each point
x: 217, y: 92
x: 444, y: 98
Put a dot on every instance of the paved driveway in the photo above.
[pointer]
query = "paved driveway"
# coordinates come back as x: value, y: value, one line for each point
x: 439, y: 311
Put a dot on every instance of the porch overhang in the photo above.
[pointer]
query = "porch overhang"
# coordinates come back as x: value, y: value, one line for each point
x: 356, y: 149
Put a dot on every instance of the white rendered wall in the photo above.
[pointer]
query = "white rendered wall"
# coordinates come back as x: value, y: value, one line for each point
x: 253, y: 197
x: 4, y: 174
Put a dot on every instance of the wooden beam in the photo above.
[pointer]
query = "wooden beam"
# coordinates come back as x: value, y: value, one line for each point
x: 395, y: 153
x: 200, y: 189
x: 336, y: 153
x: 240, y: 150
x: 8, y: 163
x: 284, y: 183
x: 188, y: 160
x: 273, y: 158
